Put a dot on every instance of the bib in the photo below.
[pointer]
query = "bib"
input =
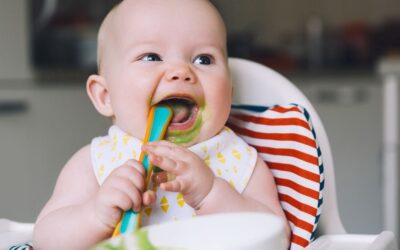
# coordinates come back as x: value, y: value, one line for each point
x: 228, y: 156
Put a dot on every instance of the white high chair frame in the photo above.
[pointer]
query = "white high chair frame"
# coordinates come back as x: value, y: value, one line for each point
x: 256, y: 84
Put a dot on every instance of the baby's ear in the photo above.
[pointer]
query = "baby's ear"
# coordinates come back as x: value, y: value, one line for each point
x: 96, y: 88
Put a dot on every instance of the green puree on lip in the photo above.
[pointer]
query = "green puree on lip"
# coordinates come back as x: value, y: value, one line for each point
x: 140, y: 239
x: 181, y: 111
x: 186, y: 136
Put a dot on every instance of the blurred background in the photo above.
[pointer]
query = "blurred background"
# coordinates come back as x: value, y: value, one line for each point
x: 329, y: 49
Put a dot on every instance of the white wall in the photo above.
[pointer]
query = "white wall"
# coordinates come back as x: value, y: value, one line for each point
x: 14, y: 40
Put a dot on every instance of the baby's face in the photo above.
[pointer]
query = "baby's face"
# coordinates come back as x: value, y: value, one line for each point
x: 171, y: 52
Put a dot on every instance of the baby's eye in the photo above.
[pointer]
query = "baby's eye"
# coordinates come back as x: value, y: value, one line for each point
x: 203, y: 59
x: 151, y: 57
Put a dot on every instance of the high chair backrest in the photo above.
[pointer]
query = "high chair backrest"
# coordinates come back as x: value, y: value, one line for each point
x: 255, y: 84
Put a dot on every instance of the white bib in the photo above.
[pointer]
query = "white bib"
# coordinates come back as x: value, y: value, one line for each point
x: 226, y: 154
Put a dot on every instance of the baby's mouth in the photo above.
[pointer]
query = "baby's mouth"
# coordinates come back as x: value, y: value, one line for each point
x: 185, y: 112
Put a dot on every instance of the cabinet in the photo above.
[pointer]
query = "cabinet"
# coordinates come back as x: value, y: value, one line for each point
x: 350, y: 108
x: 46, y: 126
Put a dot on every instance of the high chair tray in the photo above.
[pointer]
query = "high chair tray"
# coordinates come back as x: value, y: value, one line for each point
x: 14, y: 233
x: 382, y: 241
x: 223, y: 231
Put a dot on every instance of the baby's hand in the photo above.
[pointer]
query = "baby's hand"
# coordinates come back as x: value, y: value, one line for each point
x: 190, y: 175
x: 122, y: 190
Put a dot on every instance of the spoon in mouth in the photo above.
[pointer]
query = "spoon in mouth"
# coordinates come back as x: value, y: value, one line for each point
x: 157, y: 124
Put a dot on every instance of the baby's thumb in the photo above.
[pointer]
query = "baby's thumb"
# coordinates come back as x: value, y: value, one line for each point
x: 149, y: 197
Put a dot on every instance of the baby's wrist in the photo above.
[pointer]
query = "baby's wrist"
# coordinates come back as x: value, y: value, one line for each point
x: 94, y: 218
x: 210, y: 200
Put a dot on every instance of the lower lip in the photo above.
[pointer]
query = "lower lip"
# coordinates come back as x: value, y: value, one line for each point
x: 187, y: 124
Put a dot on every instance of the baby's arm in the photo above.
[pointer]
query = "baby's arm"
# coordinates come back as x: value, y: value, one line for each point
x: 80, y: 213
x: 67, y: 217
x: 209, y: 194
x: 260, y: 195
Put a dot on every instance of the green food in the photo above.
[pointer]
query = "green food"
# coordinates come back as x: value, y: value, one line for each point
x: 138, y: 240
x: 185, y: 136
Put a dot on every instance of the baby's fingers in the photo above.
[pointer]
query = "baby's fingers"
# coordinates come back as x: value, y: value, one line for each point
x: 162, y: 177
x: 136, y: 165
x: 132, y: 171
x: 128, y: 197
x: 149, y: 197
x: 165, y: 163
x: 177, y: 185
x: 165, y: 148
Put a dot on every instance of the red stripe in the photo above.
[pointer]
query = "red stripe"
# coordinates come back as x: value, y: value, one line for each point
x: 288, y: 152
x: 299, y: 240
x: 274, y: 136
x: 300, y: 206
x: 299, y: 222
x: 298, y: 188
x: 295, y: 170
x: 272, y: 121
x: 281, y: 109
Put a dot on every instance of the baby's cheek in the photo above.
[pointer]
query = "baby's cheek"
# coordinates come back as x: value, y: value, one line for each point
x: 133, y: 121
x: 212, y: 123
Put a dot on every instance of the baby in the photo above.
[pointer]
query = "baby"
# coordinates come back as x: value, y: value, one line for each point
x: 151, y: 52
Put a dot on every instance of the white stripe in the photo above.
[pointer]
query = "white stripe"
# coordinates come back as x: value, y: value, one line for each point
x: 320, y: 160
x: 294, y: 246
x: 302, y: 233
x: 273, y: 127
x: 298, y: 213
x: 271, y: 114
x: 263, y: 128
x: 279, y: 129
x: 281, y: 145
x: 292, y: 161
x: 299, y: 232
x: 298, y: 196
x: 296, y: 178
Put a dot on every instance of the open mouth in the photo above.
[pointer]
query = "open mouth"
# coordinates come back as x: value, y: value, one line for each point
x: 185, y: 112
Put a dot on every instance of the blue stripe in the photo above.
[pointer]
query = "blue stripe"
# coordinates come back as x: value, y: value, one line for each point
x: 313, y: 235
x: 306, y: 114
x: 321, y: 168
x: 317, y: 218
x: 322, y: 185
x: 22, y: 247
x: 319, y: 151
x: 253, y: 108
x: 320, y: 202
x: 315, y: 135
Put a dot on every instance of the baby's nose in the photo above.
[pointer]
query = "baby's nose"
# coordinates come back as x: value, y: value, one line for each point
x: 180, y: 72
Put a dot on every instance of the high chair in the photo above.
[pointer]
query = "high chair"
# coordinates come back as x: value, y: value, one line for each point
x: 255, y: 84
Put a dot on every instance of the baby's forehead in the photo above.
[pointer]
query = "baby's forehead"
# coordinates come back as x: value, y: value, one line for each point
x: 140, y: 10
x: 116, y: 25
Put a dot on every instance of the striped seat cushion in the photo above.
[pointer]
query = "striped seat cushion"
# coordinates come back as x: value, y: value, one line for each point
x: 27, y: 246
x: 285, y: 139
